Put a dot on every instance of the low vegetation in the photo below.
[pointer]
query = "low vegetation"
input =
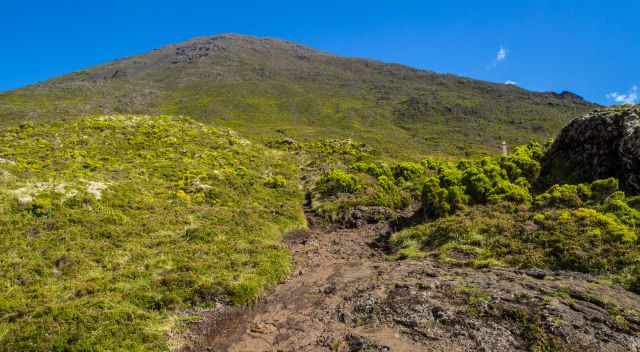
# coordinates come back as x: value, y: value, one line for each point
x: 487, y: 212
x: 116, y: 229
x: 113, y: 227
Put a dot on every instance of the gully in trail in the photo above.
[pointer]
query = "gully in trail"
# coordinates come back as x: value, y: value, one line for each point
x: 345, y: 295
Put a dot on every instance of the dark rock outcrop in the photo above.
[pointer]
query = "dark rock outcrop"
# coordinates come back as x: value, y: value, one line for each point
x: 601, y: 144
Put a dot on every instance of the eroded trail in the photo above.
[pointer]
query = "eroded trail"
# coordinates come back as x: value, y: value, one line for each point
x: 345, y: 296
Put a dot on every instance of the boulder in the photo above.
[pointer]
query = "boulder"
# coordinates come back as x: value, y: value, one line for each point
x: 601, y: 144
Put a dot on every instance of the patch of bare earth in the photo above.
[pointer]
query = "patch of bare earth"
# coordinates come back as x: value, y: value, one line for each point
x: 346, y: 296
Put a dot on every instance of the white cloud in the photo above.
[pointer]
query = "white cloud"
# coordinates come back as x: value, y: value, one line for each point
x: 511, y: 83
x: 502, y: 54
x: 631, y: 97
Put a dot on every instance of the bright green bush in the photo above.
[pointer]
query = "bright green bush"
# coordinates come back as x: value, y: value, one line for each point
x: 457, y: 198
x: 438, y: 201
x: 435, y: 199
x: 524, y: 161
x: 566, y: 196
x: 449, y: 175
x: 388, y: 194
x: 574, y: 196
x: 407, y: 171
x: 477, y: 184
x: 512, y: 192
x: 337, y: 181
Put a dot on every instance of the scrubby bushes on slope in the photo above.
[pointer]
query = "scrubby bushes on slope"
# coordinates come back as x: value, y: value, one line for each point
x: 486, y: 212
x: 591, y: 228
x: 113, y: 225
x: 439, y: 187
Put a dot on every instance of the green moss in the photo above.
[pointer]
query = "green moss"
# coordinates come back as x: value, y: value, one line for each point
x: 532, y: 330
x: 477, y: 301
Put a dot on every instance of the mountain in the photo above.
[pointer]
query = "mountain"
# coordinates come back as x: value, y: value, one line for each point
x: 318, y: 228
x: 268, y: 88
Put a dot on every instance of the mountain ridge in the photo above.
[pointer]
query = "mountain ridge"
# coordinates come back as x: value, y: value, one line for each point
x: 266, y: 88
x: 197, y: 41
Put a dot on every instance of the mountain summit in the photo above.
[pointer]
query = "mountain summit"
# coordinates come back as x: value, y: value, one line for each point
x: 269, y: 88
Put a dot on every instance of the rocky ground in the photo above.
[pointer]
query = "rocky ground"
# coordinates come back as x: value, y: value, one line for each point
x: 346, y: 295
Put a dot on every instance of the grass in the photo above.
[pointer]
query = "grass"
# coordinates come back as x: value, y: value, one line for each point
x: 116, y: 227
x: 112, y: 226
x: 262, y: 111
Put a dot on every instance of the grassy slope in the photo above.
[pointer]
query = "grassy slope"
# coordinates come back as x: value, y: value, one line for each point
x: 268, y: 88
x: 112, y: 225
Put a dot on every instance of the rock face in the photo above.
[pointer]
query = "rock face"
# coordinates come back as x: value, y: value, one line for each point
x: 598, y: 145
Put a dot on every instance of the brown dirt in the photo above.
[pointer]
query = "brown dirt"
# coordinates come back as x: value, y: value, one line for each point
x: 345, y: 295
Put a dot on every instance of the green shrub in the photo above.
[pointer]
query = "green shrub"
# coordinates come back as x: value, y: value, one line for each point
x: 277, y: 181
x: 457, y: 198
x: 376, y: 169
x: 337, y: 181
x: 512, y: 192
x: 601, y: 189
x: 435, y: 200
x: 574, y: 196
x: 407, y: 171
x: 478, y: 185
x: 524, y: 161
x: 566, y: 196
x: 388, y: 194
x: 450, y: 176
x: 583, y: 239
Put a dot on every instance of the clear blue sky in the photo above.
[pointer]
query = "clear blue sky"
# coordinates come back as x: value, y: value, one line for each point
x: 589, y: 47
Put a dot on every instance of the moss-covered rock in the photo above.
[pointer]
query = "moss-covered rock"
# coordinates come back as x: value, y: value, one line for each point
x: 599, y: 145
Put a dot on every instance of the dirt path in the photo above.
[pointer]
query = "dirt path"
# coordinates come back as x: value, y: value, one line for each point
x: 345, y: 296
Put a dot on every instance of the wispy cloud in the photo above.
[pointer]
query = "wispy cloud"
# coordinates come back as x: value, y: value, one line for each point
x: 502, y: 54
x: 511, y: 83
x: 631, y: 97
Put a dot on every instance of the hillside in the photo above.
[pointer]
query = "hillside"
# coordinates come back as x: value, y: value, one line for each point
x: 114, y: 226
x: 442, y: 255
x: 266, y: 89
x: 359, y: 207
x: 132, y: 232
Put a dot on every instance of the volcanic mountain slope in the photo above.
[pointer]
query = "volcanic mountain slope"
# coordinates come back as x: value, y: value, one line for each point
x: 266, y: 89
